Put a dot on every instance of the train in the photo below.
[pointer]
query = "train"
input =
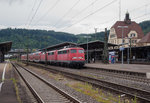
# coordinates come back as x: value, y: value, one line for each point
x: 69, y: 57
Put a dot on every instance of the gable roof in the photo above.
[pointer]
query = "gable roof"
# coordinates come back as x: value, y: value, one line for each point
x: 132, y: 26
x: 145, y: 39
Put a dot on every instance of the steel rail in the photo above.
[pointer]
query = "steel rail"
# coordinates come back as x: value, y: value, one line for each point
x: 35, y: 94
x: 131, y: 91
x: 62, y: 92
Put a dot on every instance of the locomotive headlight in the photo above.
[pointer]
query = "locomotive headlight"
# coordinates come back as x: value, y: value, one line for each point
x: 74, y: 58
x: 80, y: 57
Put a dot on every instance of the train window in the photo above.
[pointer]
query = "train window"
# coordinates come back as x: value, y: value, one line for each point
x: 81, y: 51
x: 65, y: 52
x: 51, y: 53
x: 59, y: 52
x: 73, y: 51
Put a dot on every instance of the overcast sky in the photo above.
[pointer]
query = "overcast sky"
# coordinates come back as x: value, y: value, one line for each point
x: 73, y: 16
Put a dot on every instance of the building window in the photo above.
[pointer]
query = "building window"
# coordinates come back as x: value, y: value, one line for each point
x: 134, y: 41
x: 133, y: 35
x: 112, y: 36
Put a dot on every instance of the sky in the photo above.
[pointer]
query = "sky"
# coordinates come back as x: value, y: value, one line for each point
x: 73, y: 16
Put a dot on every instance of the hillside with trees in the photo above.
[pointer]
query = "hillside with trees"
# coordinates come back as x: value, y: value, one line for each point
x: 145, y: 25
x: 37, y: 39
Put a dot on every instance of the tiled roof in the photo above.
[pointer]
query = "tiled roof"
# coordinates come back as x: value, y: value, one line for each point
x: 145, y: 39
x: 132, y: 26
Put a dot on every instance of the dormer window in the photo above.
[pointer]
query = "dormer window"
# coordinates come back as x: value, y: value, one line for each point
x: 133, y: 35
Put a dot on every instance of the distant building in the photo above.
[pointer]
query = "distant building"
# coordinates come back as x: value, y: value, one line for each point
x: 145, y: 41
x: 132, y: 31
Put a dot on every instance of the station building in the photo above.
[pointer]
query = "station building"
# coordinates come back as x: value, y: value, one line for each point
x: 124, y: 31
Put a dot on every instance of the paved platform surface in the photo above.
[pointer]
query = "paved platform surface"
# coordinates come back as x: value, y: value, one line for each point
x: 7, y: 90
x: 124, y: 67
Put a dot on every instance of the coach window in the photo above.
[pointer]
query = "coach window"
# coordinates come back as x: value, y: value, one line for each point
x: 59, y: 52
x: 65, y: 52
x: 52, y: 53
x: 73, y: 51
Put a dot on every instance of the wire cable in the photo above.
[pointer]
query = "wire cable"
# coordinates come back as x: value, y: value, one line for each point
x: 35, y: 13
x: 66, y: 13
x: 139, y: 7
x: 91, y: 14
x: 31, y: 12
x: 84, y: 9
x: 48, y: 11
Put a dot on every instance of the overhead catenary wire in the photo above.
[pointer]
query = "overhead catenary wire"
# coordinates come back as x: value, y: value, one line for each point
x: 66, y: 13
x: 31, y: 12
x: 141, y: 16
x: 91, y: 4
x: 139, y: 7
x: 91, y: 14
x: 35, y: 12
x: 48, y: 11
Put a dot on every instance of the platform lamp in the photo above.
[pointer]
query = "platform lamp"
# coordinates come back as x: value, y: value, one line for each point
x: 87, y: 47
x: 129, y: 53
x: 122, y: 27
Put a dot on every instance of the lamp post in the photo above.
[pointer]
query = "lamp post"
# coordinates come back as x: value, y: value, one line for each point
x: 95, y: 49
x: 129, y: 43
x: 122, y: 27
x: 87, y: 47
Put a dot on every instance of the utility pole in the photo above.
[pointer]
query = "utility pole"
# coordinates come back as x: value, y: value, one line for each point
x: 119, y: 10
x: 45, y: 56
x: 122, y: 27
x: 95, y: 32
x: 105, y: 52
x: 27, y: 55
x: 94, y: 49
x: 130, y: 51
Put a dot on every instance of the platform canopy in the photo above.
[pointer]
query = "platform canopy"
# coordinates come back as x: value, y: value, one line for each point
x: 95, y: 45
x: 5, y: 47
x: 59, y: 46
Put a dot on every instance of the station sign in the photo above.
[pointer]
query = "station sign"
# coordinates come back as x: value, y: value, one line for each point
x: 121, y: 49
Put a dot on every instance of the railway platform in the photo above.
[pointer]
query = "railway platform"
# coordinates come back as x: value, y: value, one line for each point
x: 7, y: 88
x: 132, y: 69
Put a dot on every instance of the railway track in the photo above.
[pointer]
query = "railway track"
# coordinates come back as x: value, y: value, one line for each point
x: 142, y: 95
x: 43, y: 91
x: 99, y: 72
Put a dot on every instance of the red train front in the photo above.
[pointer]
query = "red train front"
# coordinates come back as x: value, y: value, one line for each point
x: 73, y: 57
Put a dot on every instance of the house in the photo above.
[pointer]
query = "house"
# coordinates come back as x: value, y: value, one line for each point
x: 124, y: 31
x: 145, y: 41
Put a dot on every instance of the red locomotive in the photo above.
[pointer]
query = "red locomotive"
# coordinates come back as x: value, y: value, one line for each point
x: 72, y: 57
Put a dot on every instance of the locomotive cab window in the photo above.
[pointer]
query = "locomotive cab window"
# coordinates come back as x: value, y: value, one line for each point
x: 73, y: 51
x: 81, y: 51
